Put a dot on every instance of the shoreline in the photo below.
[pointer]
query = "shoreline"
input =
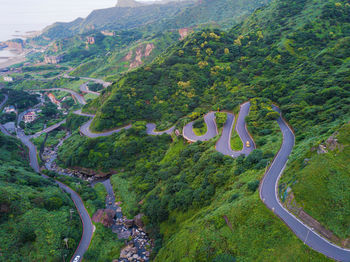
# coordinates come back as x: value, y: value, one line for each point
x: 16, y: 59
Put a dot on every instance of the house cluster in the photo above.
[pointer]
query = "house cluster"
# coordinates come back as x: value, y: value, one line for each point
x: 29, y: 117
x: 90, y: 40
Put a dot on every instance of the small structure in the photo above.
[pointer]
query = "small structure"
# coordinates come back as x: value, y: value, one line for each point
x: 10, y: 109
x: 90, y: 40
x: 29, y: 117
x: 8, y: 79
x: 108, y: 33
x: 52, y: 59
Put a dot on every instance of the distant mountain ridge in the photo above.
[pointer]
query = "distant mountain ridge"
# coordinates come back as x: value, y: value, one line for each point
x: 121, y: 17
x: 158, y: 16
x: 128, y: 3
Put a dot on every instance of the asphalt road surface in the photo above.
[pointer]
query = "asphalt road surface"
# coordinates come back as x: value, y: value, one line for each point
x: 268, y: 188
x: 152, y: 127
x: 3, y: 129
x: 79, y: 98
x: 212, y: 130
x: 224, y: 143
x: 49, y: 129
x: 85, y: 89
x: 85, y: 129
x: 268, y: 194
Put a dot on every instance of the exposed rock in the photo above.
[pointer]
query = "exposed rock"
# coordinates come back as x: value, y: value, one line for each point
x: 332, y: 143
x: 128, y: 56
x: 184, y: 32
x: 322, y: 149
x: 129, y: 222
x: 104, y: 216
x: 98, y: 215
x: 149, y: 49
x: 138, y: 220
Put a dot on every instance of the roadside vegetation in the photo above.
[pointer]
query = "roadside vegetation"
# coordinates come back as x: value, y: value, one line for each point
x: 35, y: 214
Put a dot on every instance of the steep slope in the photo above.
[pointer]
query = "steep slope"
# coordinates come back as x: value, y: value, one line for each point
x: 295, y: 54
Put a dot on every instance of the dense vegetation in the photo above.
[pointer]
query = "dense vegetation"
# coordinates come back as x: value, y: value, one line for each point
x: 116, y: 18
x: 286, y: 54
x: 217, y: 69
x: 198, y: 203
x: 35, y: 215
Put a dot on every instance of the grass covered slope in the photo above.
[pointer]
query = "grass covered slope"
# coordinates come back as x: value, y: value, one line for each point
x: 35, y: 218
x: 198, y: 203
x: 326, y: 175
x: 299, y: 63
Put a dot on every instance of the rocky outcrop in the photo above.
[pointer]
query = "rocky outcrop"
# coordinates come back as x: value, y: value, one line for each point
x: 184, y: 32
x: 104, y: 216
x: 138, y: 220
x: 136, y: 57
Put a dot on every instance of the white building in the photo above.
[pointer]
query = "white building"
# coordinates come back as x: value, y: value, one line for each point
x: 8, y: 79
x: 10, y: 109
x: 29, y: 117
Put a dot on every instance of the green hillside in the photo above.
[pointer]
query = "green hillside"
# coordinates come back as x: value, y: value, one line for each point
x: 116, y: 18
x: 295, y: 54
x: 35, y: 214
x: 284, y: 60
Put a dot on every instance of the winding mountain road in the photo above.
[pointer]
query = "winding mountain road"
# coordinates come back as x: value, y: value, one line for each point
x: 88, y: 228
x: 224, y: 143
x: 49, y: 129
x: 268, y: 188
x: 2, y: 128
x: 85, y: 89
x: 269, y: 195
x: 212, y: 129
x: 80, y: 99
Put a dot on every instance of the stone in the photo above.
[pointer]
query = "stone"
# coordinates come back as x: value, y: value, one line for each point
x: 138, y: 220
x: 322, y: 149
x: 129, y: 223
x: 104, y: 216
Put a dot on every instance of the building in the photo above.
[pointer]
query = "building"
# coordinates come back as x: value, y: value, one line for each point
x: 8, y: 79
x: 90, y: 40
x: 108, y: 33
x: 29, y: 117
x: 9, y: 109
x: 52, y: 59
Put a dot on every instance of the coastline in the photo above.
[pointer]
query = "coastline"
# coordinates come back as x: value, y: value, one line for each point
x: 12, y: 61
x: 18, y: 57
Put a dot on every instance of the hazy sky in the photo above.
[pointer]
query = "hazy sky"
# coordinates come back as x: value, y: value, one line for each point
x: 27, y: 15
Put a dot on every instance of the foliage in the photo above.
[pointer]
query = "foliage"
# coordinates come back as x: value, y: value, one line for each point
x: 35, y: 217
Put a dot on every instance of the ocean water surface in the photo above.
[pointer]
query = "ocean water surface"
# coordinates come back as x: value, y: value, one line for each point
x: 17, y: 17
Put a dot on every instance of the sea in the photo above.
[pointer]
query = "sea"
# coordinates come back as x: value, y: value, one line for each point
x: 21, y: 17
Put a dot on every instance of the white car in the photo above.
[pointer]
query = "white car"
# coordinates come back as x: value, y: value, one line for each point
x: 76, y: 259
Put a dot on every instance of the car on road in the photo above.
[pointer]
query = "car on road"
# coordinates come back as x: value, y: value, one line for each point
x: 76, y: 259
x: 247, y: 144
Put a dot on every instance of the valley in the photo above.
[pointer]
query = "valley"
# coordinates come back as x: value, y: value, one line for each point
x: 194, y: 136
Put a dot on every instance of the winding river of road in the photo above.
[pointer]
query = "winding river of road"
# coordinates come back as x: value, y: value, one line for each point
x: 268, y: 187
